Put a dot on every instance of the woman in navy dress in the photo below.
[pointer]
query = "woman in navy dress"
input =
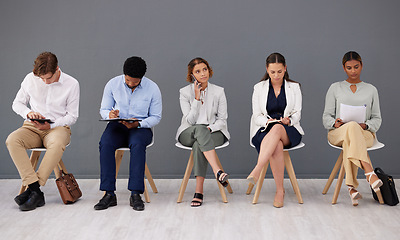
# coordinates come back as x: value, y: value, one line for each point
x: 275, y: 97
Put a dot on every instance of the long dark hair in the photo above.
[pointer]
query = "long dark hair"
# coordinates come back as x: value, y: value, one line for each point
x: 276, y: 58
x: 351, y: 55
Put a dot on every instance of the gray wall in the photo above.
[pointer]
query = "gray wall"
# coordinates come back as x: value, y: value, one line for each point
x: 93, y: 38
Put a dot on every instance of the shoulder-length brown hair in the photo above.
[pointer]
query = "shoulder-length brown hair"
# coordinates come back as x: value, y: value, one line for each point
x: 193, y: 63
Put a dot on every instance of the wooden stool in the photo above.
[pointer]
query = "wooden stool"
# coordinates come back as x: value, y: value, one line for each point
x: 339, y: 164
x: 34, y: 158
x: 289, y: 170
x: 119, y: 153
x: 188, y: 171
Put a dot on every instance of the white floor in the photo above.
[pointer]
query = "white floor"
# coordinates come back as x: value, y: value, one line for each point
x: 163, y: 218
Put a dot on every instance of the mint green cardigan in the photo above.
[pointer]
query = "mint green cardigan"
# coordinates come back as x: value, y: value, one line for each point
x: 340, y: 92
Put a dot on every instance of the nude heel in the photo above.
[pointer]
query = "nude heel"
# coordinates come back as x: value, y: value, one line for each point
x: 354, y: 196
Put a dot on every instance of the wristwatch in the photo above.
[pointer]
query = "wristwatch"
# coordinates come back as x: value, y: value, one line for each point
x: 138, y: 125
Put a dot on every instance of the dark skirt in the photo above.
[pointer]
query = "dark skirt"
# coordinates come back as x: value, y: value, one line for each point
x: 293, y: 134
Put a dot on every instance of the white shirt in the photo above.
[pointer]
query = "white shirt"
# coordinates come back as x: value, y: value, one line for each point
x: 202, y: 117
x: 58, y: 101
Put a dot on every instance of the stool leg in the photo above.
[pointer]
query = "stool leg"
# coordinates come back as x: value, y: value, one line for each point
x: 338, y: 184
x: 222, y: 191
x: 292, y: 176
x: 150, y: 179
x: 378, y: 194
x: 221, y: 188
x: 380, y: 198
x: 146, y: 193
x: 118, y: 159
x: 250, y: 188
x: 186, y: 177
x: 34, y: 158
x: 60, y: 166
x: 333, y: 173
x: 260, y: 183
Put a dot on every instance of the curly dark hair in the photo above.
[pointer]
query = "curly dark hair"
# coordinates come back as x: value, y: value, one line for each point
x: 135, y: 67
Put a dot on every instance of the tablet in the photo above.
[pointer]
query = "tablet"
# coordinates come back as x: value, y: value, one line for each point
x: 42, y: 120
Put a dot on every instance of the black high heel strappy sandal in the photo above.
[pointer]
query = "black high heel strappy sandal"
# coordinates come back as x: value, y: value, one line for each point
x: 222, y: 178
x: 199, y: 196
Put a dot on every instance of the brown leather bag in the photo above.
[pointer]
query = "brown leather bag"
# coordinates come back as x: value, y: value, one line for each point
x: 68, y: 188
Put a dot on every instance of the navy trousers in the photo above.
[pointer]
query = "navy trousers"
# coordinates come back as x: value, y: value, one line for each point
x: 115, y: 136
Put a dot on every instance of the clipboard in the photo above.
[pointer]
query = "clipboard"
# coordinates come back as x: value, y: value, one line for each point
x: 120, y: 119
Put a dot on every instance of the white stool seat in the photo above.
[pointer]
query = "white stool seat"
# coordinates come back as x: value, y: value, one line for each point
x: 375, y: 146
x: 179, y: 145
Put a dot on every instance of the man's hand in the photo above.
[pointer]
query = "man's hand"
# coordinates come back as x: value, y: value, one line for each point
x: 113, y: 114
x: 131, y: 125
x: 34, y: 115
x: 36, y: 124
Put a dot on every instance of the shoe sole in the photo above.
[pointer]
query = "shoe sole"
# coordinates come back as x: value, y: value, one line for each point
x: 111, y: 205
x: 30, y: 209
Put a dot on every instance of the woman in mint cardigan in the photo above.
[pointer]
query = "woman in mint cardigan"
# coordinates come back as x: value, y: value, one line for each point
x: 353, y: 137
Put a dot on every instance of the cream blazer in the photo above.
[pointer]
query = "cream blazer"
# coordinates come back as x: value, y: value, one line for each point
x: 259, y: 101
x: 217, y: 112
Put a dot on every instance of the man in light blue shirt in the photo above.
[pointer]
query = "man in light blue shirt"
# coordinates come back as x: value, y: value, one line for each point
x: 128, y: 96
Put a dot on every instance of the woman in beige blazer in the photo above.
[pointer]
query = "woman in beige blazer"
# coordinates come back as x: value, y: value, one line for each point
x: 275, y: 123
x: 203, y: 125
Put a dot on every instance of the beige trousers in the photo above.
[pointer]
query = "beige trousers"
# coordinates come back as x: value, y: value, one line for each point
x: 354, y: 141
x: 26, y: 137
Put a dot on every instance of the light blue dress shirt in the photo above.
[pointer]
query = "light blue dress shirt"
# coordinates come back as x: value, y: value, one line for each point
x: 144, y: 103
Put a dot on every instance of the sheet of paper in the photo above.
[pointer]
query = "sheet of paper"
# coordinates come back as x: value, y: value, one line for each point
x: 350, y: 113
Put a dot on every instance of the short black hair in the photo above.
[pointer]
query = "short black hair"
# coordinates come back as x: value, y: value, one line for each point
x: 135, y: 67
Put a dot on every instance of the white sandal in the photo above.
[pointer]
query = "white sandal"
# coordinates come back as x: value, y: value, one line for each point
x: 375, y: 185
x: 354, y: 196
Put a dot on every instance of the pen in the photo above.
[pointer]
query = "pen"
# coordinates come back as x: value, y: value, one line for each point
x: 291, y: 114
x: 113, y: 109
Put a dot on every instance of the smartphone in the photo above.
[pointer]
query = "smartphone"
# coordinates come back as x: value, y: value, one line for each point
x: 193, y: 78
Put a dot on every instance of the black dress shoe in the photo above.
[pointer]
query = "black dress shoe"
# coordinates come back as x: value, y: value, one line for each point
x: 35, y: 200
x: 108, y: 200
x: 136, y: 202
x: 23, y: 197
